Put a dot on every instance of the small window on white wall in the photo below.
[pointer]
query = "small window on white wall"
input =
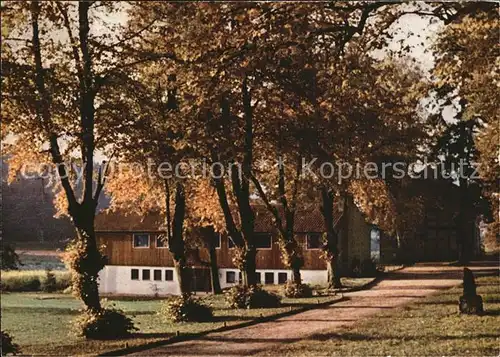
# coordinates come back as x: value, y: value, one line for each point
x: 269, y: 278
x: 134, y: 274
x: 230, y: 277
x: 141, y: 240
x: 282, y: 278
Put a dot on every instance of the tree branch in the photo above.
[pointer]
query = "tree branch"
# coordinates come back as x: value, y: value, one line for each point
x: 45, y: 117
x: 274, y: 211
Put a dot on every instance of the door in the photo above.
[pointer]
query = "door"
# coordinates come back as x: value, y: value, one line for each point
x: 201, y: 280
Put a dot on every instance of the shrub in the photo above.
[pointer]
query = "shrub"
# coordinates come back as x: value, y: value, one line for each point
x: 243, y: 297
x: 292, y: 290
x: 9, y: 258
x: 107, y: 324
x: 49, y: 283
x: 8, y: 346
x: 20, y: 282
x: 186, y: 308
x: 32, y: 280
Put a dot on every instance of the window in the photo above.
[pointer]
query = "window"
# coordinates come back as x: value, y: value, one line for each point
x: 141, y: 240
x: 169, y: 275
x: 134, y: 274
x: 263, y: 240
x: 375, y: 244
x: 258, y: 277
x: 157, y: 274
x: 217, y: 240
x: 161, y: 242
x: 230, y: 277
x: 239, y: 277
x: 282, y: 278
x: 230, y: 243
x: 146, y: 274
x: 313, y: 240
x: 269, y: 278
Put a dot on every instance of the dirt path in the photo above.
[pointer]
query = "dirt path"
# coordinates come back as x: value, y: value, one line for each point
x: 397, y: 289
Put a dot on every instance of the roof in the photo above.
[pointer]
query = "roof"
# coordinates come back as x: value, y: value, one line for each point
x: 121, y: 221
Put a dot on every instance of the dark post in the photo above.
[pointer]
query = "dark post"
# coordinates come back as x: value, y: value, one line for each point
x: 470, y: 302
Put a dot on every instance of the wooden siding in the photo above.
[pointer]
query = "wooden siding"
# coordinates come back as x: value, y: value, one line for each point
x: 120, y: 251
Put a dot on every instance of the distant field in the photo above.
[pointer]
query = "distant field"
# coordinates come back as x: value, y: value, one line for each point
x: 40, y: 260
x: 35, y: 245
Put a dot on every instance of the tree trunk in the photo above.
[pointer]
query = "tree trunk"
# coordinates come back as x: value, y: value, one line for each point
x: 296, y: 276
x: 183, y: 276
x: 464, y: 231
x: 214, y: 271
x: 88, y: 262
x: 333, y: 270
x: 176, y: 237
x: 248, y: 267
x: 209, y: 235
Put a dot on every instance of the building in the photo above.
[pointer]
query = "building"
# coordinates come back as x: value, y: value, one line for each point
x: 139, y: 262
x: 434, y: 237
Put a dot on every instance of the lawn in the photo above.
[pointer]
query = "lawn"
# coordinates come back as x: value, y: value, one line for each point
x: 40, y: 322
x: 430, y: 327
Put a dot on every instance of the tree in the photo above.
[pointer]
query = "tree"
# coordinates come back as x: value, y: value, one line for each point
x: 226, y: 53
x: 150, y: 135
x: 466, y: 75
x: 156, y: 133
x: 372, y: 121
x: 55, y: 95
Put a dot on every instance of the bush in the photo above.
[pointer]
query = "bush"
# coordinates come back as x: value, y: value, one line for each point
x: 20, y: 282
x: 292, y: 290
x: 33, y: 280
x: 49, y: 283
x: 9, y: 258
x: 242, y: 297
x: 107, y: 324
x: 186, y: 308
x: 8, y: 346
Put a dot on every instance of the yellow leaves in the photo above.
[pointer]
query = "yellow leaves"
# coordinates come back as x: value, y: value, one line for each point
x: 24, y: 160
x: 131, y: 190
x: 374, y: 199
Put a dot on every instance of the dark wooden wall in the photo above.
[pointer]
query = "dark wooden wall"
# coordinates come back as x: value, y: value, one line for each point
x: 120, y: 251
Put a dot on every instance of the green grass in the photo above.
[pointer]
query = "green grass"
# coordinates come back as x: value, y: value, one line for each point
x: 430, y: 327
x: 39, y: 322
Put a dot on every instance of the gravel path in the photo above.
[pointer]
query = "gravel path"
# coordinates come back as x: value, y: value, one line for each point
x: 400, y: 287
